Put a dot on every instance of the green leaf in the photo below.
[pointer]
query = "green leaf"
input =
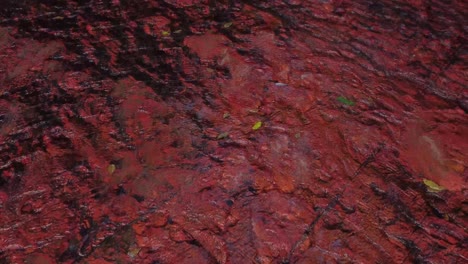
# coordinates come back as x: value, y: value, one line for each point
x: 257, y: 125
x: 345, y: 101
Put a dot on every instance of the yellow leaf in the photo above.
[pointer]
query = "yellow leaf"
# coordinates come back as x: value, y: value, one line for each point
x: 133, y: 252
x: 111, y: 169
x: 257, y: 125
x: 166, y: 33
x: 223, y: 135
x: 432, y: 186
x: 226, y: 25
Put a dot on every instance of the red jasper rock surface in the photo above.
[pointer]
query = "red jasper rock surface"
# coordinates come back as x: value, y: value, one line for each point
x: 233, y: 131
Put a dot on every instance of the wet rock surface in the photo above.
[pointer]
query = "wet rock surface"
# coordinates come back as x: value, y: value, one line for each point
x: 233, y: 131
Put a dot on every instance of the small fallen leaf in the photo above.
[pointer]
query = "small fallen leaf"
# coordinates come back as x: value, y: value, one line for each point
x: 432, y: 186
x: 111, y: 169
x: 226, y: 115
x: 166, y: 33
x: 345, y: 101
x: 227, y: 25
x: 223, y: 135
x: 257, y: 125
x: 133, y: 252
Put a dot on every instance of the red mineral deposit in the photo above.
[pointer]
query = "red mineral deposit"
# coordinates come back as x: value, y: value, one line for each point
x: 196, y: 131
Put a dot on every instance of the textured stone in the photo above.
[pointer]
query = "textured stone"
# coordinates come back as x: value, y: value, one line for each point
x: 359, y: 102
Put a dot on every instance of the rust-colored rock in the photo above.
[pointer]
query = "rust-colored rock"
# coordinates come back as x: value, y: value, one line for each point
x: 128, y: 131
